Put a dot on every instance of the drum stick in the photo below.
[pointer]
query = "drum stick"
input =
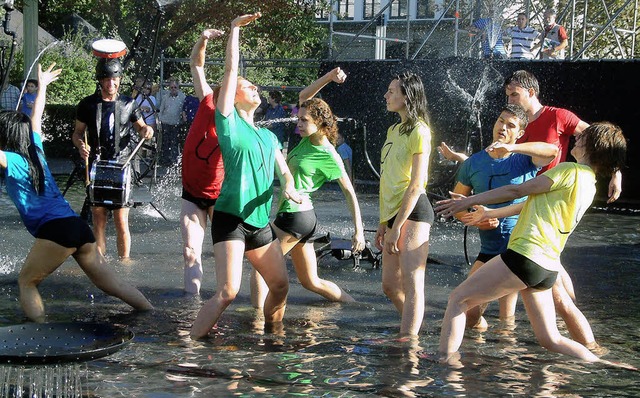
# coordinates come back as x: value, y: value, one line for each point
x: 87, y: 180
x: 137, y: 148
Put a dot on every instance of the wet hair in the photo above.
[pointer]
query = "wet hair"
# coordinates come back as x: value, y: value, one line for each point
x: 276, y: 95
x: 323, y: 117
x: 16, y: 136
x: 524, y: 79
x: 519, y: 112
x: 416, y: 101
x: 605, y: 146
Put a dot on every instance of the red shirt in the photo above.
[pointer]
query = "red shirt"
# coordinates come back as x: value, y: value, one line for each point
x: 554, y: 126
x: 202, y: 168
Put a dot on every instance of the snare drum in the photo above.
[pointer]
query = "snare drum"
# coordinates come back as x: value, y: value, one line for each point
x: 110, y: 183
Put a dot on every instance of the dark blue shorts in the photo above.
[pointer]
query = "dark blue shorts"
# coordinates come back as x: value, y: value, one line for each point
x: 529, y: 272
x: 301, y: 225
x: 70, y: 232
x: 226, y: 227
x: 203, y: 204
x: 422, y: 212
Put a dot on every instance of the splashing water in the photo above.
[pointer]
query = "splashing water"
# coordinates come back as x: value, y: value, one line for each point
x: 267, y: 123
x: 42, y: 381
x: 494, y: 30
x: 35, y: 61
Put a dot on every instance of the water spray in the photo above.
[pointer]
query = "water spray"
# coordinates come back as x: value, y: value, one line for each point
x: 35, y: 61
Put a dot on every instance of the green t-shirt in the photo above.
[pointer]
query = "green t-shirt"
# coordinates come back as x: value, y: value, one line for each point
x: 311, y: 166
x: 249, y: 159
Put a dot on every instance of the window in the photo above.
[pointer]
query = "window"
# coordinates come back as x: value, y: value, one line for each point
x: 399, y: 9
x: 345, y: 9
x: 371, y: 8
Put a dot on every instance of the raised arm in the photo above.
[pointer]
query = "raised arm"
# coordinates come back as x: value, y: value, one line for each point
x: 232, y: 58
x: 449, y: 207
x: 196, y: 63
x: 541, y: 153
x: 44, y: 79
x: 450, y: 154
x: 335, y: 75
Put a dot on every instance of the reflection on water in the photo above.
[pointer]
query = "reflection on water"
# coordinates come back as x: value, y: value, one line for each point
x: 329, y: 349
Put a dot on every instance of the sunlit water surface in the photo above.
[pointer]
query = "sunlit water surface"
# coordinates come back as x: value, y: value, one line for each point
x: 327, y: 349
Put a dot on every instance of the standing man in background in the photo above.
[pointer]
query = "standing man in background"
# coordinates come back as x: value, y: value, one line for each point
x: 171, y: 118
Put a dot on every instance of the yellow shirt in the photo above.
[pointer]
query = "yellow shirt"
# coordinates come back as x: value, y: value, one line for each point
x: 547, y: 219
x: 395, y: 165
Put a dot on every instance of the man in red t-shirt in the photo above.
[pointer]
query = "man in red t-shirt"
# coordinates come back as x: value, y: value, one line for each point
x: 202, y: 169
x: 549, y: 124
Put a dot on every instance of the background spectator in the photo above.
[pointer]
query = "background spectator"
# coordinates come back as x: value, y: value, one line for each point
x: 276, y: 111
x: 523, y: 38
x: 29, y: 97
x: 10, y: 97
x: 554, y: 38
x: 171, y: 118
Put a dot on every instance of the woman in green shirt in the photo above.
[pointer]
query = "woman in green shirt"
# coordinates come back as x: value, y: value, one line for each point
x: 240, y: 223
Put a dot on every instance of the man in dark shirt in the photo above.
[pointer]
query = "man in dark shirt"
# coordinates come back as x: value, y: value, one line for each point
x: 103, y: 131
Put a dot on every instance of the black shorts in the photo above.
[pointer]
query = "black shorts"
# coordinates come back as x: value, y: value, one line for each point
x: 529, y: 272
x: 301, y: 225
x: 70, y: 232
x: 203, y: 204
x: 422, y: 212
x: 484, y: 257
x: 226, y: 227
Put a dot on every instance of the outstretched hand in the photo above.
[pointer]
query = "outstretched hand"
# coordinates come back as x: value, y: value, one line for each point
x: 246, y: 19
x: 500, y: 148
x: 48, y: 76
x: 449, y: 207
x: 212, y: 34
x: 450, y: 154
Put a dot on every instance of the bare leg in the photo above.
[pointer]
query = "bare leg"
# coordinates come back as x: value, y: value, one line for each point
x: 259, y: 289
x: 475, y: 318
x: 193, y: 222
x: 123, y: 236
x: 576, y: 322
x: 269, y: 262
x: 403, y: 275
x: 99, y: 219
x: 542, y: 315
x: 491, y: 281
x: 94, y: 265
x: 44, y: 258
x: 228, y: 256
x: 306, y: 266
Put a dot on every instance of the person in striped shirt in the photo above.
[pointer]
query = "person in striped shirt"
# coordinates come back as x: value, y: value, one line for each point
x: 523, y: 38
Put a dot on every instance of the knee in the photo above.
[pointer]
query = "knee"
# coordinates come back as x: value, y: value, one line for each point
x: 457, y: 300
x: 28, y: 281
x: 390, y: 289
x: 279, y: 288
x: 226, y: 296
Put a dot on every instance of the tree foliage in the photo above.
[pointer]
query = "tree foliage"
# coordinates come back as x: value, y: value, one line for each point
x: 286, y: 30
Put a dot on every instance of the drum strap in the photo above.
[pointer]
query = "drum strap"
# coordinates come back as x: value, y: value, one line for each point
x: 117, y: 123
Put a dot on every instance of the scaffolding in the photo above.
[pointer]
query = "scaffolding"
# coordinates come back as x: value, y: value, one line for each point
x: 597, y: 29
